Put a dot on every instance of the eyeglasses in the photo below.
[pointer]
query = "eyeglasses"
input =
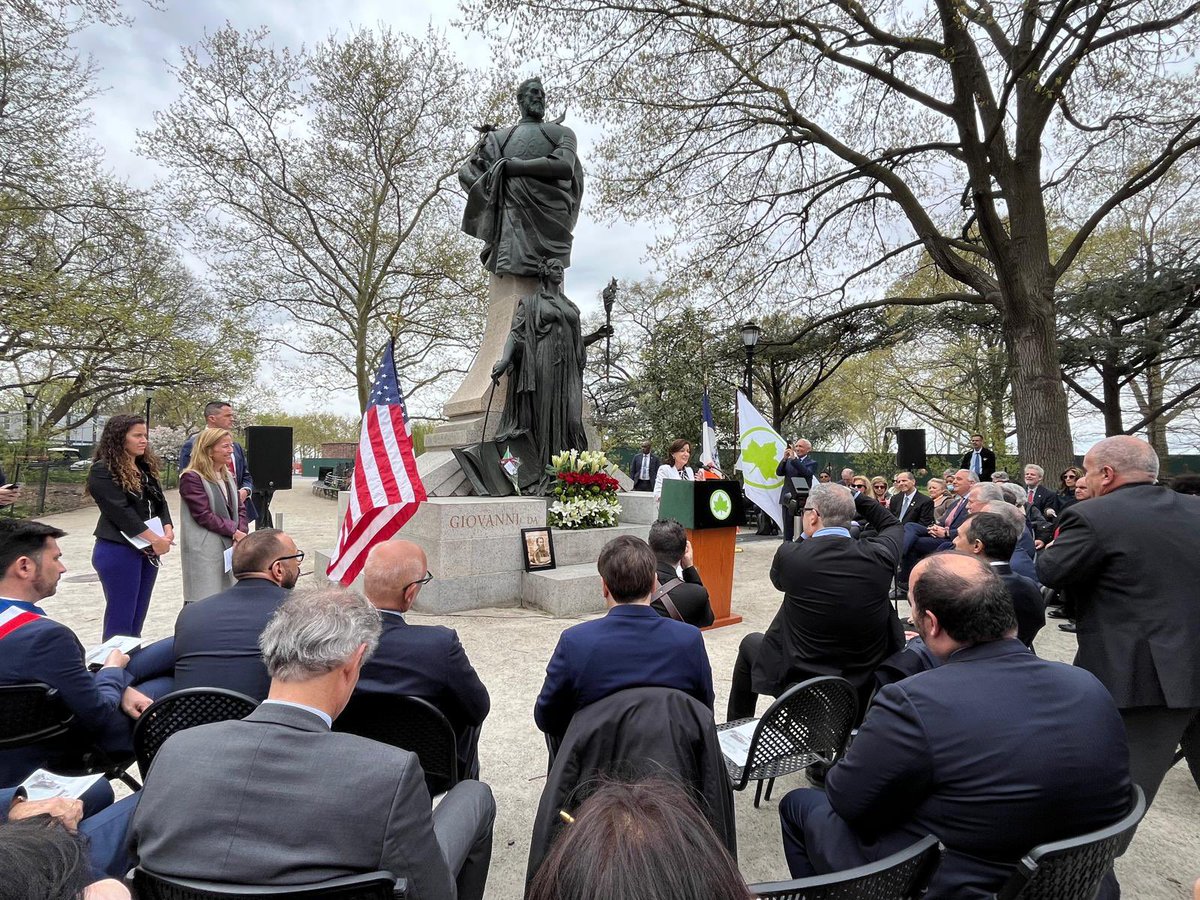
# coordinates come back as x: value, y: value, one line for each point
x: 861, y: 487
x: 809, y: 509
x: 428, y: 578
x: 299, y: 556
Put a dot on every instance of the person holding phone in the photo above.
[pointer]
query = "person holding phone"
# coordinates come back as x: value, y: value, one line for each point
x: 9, y: 492
x: 213, y: 515
x: 123, y: 480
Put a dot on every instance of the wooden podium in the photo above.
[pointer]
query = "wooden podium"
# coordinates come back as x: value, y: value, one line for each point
x: 710, y: 511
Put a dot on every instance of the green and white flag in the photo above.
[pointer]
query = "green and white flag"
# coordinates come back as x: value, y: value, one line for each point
x: 761, y: 449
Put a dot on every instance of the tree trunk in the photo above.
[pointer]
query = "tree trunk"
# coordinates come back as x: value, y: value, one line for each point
x: 1114, y: 422
x: 1156, y: 430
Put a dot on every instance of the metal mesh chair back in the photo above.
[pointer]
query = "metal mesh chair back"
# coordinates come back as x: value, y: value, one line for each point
x: 181, y: 710
x: 901, y: 876
x: 371, y: 886
x: 1073, y: 869
x: 409, y: 723
x: 30, y: 713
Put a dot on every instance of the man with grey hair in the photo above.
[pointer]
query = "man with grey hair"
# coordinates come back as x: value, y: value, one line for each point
x: 922, y: 540
x: 1037, y: 495
x: 278, y: 798
x: 835, y: 618
x: 1022, y: 557
x: 1127, y: 557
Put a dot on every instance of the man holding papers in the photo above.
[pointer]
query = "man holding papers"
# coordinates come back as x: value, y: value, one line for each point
x: 35, y: 648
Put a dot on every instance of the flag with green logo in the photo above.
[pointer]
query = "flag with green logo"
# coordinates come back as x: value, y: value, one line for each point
x: 761, y: 449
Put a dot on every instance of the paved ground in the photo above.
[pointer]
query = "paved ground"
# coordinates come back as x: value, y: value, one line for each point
x: 510, y: 648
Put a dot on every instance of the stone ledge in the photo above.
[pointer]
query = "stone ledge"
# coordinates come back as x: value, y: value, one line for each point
x: 565, y: 591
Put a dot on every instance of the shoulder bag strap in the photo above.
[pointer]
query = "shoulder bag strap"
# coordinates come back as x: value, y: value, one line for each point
x: 663, y: 595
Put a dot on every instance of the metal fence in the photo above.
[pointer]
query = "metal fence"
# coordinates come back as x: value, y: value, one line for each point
x: 53, y: 486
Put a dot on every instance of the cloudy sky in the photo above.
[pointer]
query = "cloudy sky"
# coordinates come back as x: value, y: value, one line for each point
x: 134, y: 72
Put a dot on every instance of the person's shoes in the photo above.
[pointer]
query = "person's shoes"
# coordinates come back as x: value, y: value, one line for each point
x: 816, y: 774
x: 1068, y: 627
x: 1057, y: 612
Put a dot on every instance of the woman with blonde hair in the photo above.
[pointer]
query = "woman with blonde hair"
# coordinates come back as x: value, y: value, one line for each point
x: 879, y: 490
x: 213, y: 515
x: 123, y: 480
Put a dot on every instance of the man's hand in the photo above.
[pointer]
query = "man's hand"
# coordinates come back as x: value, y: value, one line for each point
x: 108, y: 889
x: 116, y: 658
x: 937, y: 531
x: 238, y: 535
x: 9, y: 495
x: 134, y: 703
x: 66, y: 810
x: 689, y: 558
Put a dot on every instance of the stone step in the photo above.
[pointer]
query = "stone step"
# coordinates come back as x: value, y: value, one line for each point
x: 638, y: 508
x: 564, y: 591
x: 575, y: 547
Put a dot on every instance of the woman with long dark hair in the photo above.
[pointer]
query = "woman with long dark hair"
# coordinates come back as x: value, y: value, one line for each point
x: 123, y: 480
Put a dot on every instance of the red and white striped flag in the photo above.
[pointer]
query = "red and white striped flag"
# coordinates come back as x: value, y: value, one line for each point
x: 386, y: 489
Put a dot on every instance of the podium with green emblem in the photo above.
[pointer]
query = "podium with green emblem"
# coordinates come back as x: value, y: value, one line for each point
x: 710, y: 511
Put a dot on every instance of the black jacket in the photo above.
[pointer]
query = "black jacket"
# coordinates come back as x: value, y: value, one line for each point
x: 1027, y: 603
x: 690, y: 598
x: 987, y: 459
x: 632, y: 734
x: 122, y: 510
x: 920, y: 509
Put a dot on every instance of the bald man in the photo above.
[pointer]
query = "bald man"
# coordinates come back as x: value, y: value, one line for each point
x: 1128, y: 560
x: 993, y: 752
x: 425, y: 661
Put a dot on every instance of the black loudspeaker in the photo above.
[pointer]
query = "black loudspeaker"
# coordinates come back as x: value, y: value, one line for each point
x: 269, y: 457
x: 910, y: 448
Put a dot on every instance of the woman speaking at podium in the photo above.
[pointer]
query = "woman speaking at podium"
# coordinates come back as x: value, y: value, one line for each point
x: 677, y: 467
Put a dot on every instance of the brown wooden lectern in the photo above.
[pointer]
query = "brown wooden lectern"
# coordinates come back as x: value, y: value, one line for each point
x: 710, y: 511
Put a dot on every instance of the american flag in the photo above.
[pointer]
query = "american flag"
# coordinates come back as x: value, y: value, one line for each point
x: 386, y: 489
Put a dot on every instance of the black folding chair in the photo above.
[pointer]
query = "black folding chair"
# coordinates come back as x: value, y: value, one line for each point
x: 409, y: 723
x: 1073, y: 869
x: 180, y: 710
x: 371, y: 886
x: 809, y: 723
x: 33, y: 713
x: 902, y: 876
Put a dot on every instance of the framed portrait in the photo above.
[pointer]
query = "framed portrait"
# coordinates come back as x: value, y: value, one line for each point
x: 538, y: 544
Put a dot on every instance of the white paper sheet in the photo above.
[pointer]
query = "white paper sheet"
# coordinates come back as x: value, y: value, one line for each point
x: 229, y: 559
x: 43, y: 785
x: 122, y: 642
x: 735, y: 742
x: 154, y: 525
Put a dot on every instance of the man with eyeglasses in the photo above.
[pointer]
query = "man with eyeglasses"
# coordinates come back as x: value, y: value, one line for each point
x: 426, y: 661
x: 216, y: 639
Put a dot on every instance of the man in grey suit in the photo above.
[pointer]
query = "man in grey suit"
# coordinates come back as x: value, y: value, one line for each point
x: 279, y: 799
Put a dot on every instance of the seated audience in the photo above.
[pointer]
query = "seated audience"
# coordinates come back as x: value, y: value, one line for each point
x: 678, y: 580
x: 1000, y: 477
x: 640, y: 841
x: 1065, y: 497
x: 1041, y: 530
x: 105, y: 830
x: 1037, y: 495
x: 299, y: 803
x: 44, y: 858
x: 942, y: 499
x: 848, y: 478
x: 1022, y: 559
x: 631, y: 646
x: 824, y: 477
x: 910, y: 505
x: 879, y: 490
x: 994, y: 752
x: 921, y: 540
x: 216, y: 639
x: 33, y: 647
x: 993, y: 537
x: 835, y: 618
x: 426, y: 661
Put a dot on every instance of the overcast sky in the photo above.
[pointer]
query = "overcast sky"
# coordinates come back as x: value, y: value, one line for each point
x: 136, y: 79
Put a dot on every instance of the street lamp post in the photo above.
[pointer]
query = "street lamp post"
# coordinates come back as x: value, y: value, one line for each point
x: 750, y: 334
x: 30, y: 399
x: 149, y: 397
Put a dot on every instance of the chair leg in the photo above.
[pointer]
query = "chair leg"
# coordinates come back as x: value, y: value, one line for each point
x: 129, y: 780
x: 770, y: 784
x: 758, y: 794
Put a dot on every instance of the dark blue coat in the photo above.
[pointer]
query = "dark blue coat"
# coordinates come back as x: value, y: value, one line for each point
x: 632, y: 646
x: 216, y: 639
x: 993, y: 752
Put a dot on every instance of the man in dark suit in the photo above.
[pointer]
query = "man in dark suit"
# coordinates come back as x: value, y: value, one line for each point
x: 677, y: 572
x: 216, y: 639
x: 279, y: 799
x: 632, y: 646
x: 219, y: 414
x: 908, y: 504
x: 1037, y: 495
x: 796, y: 463
x: 993, y: 752
x: 922, y: 540
x: 1127, y: 558
x: 979, y: 459
x: 33, y: 647
x: 993, y: 538
x: 426, y: 661
x: 644, y: 469
x: 835, y: 618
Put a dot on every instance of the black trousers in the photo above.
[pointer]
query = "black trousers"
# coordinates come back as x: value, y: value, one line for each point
x: 1154, y: 734
x: 742, y: 699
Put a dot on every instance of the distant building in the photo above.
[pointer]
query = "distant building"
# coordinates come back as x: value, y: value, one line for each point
x: 85, y: 434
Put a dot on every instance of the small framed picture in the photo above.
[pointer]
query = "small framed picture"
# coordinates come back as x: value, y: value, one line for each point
x: 539, y: 549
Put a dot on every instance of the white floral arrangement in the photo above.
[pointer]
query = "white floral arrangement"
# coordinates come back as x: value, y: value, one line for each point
x: 585, y: 490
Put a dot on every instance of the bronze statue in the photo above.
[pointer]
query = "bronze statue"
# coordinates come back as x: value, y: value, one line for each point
x: 545, y: 355
x: 524, y: 185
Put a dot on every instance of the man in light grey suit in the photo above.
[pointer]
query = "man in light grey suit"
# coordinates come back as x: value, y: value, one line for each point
x: 279, y: 799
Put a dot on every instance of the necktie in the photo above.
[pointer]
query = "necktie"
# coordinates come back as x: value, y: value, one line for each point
x: 645, y: 467
x: 1031, y: 495
x: 904, y: 506
x: 975, y: 465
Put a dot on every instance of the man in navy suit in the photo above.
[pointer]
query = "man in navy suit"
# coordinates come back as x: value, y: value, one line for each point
x: 216, y: 639
x: 644, y: 468
x: 993, y: 538
x: 34, y: 647
x: 796, y: 463
x: 631, y: 646
x: 993, y: 752
x: 908, y: 504
x: 219, y: 414
x: 426, y: 661
x: 922, y: 540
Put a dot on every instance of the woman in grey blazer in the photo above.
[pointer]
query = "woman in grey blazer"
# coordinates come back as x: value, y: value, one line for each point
x: 213, y: 517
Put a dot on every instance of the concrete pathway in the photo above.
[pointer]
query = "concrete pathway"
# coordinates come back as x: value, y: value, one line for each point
x: 510, y: 648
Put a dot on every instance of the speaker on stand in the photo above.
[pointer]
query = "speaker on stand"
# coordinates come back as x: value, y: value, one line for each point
x: 269, y: 459
x: 910, y: 448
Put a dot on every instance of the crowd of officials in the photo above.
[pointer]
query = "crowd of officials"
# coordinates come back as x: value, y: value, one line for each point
x: 964, y: 732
